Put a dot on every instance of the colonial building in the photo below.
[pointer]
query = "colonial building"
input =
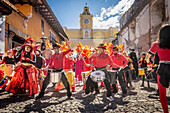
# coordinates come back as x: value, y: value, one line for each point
x: 6, y: 8
x: 140, y: 24
x: 33, y: 18
x: 87, y: 35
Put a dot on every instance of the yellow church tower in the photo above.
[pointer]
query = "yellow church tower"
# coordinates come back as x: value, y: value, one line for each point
x: 86, y: 24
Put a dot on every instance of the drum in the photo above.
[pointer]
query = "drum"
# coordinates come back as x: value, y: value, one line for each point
x: 85, y: 76
x: 112, y: 76
x: 150, y: 76
x: 70, y: 77
x: 98, y: 76
x: 141, y: 71
x: 55, y: 77
x: 149, y: 69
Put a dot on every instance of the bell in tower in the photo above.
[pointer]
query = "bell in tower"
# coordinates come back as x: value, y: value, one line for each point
x: 86, y: 10
x: 86, y: 22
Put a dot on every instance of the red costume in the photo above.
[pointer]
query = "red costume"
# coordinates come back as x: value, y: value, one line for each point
x: 56, y: 62
x: 119, y: 60
x: 163, y: 77
x: 68, y: 65
x: 86, y: 68
x: 25, y: 76
x: 100, y: 60
x: 57, y: 59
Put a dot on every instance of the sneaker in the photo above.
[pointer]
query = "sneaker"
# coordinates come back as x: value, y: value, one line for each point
x: 110, y: 98
x: 84, y: 95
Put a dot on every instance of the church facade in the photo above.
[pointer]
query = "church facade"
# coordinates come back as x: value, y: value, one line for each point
x: 87, y: 35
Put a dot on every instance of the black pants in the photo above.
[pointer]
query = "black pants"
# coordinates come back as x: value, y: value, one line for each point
x: 121, y: 81
x: 63, y: 79
x: 90, y: 83
x: 143, y: 79
x: 135, y: 65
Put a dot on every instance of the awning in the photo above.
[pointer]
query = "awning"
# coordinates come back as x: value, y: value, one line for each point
x: 6, y: 8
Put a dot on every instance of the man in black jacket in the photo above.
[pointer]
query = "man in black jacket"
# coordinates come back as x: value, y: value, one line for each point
x: 132, y: 55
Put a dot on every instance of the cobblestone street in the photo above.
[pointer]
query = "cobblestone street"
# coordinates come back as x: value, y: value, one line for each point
x: 136, y: 101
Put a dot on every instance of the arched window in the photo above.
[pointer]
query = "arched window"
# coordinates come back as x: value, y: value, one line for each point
x: 86, y: 34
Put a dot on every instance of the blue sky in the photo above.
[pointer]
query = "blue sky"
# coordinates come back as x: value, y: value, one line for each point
x: 106, y: 12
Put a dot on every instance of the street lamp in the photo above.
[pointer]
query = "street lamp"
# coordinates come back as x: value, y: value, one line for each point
x: 43, y: 45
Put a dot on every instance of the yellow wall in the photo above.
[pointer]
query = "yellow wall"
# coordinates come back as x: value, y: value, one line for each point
x: 74, y: 34
x: 89, y: 42
x: 100, y: 34
x: 33, y: 28
x: 96, y: 33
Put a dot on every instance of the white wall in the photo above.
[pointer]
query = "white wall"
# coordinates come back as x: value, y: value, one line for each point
x: 142, y: 22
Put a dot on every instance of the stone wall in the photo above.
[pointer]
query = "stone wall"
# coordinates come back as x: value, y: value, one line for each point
x: 142, y: 30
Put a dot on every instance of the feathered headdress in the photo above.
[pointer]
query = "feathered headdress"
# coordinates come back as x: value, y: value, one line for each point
x: 79, y: 47
x: 48, y: 44
x: 28, y: 39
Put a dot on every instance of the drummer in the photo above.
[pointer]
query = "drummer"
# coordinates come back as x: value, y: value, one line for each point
x: 68, y: 66
x: 143, y: 64
x: 56, y: 62
x: 128, y: 68
x: 101, y: 61
x: 119, y: 63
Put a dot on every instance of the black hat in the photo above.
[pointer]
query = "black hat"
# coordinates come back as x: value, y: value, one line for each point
x: 56, y: 46
x: 132, y: 49
x: 143, y: 53
x: 38, y: 50
x: 115, y: 48
x: 102, y: 46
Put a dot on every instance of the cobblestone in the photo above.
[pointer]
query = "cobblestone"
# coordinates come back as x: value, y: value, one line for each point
x: 136, y: 101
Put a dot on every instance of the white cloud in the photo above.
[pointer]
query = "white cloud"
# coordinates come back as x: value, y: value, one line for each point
x: 100, y: 21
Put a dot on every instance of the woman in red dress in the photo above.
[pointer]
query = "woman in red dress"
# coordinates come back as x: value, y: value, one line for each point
x: 162, y: 47
x: 25, y: 76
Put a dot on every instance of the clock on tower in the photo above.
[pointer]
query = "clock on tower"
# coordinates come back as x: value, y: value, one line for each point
x: 86, y: 22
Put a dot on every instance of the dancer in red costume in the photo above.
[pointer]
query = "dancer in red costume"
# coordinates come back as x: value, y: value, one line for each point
x: 68, y: 66
x: 162, y: 47
x: 86, y: 53
x: 25, y: 76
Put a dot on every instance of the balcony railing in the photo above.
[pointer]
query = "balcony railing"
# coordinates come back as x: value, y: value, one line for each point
x: 135, y: 9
